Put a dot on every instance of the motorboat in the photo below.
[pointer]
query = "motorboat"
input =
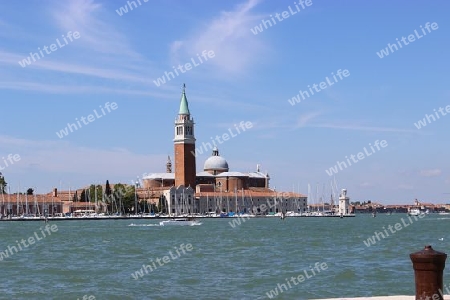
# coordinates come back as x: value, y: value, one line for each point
x: 415, y: 212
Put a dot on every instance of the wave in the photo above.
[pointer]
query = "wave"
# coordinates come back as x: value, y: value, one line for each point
x: 144, y: 225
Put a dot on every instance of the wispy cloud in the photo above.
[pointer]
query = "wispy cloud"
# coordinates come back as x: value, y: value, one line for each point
x: 75, y: 68
x: 102, y: 53
x: 42, y: 156
x: 430, y: 173
x: 304, y: 119
x: 99, y: 35
x: 80, y: 89
x: 366, y: 185
x: 282, y: 122
x: 228, y: 35
x: 364, y: 128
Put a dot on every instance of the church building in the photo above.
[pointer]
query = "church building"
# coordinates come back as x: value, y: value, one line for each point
x: 216, y: 189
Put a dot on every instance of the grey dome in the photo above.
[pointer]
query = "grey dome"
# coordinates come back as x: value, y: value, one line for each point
x: 216, y: 162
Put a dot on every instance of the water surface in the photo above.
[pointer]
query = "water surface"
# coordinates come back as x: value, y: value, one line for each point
x: 98, y: 257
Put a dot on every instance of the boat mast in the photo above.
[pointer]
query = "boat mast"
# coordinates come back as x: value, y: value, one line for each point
x: 36, y: 211
x: 95, y: 195
x: 236, y: 201
x: 183, y: 204
x: 9, y: 200
x: 323, y: 198
x: 3, y: 201
x: 26, y: 203
x: 53, y: 204
x: 243, y: 198
x: 17, y: 201
x: 221, y: 200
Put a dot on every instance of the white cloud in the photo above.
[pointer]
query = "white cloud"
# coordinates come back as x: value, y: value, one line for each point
x: 85, y: 57
x: 364, y: 128
x: 96, y: 33
x: 430, y: 173
x: 57, y: 157
x: 366, y: 185
x: 229, y: 36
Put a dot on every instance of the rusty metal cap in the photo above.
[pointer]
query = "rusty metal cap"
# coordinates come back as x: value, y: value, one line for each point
x: 428, y: 251
x: 428, y: 258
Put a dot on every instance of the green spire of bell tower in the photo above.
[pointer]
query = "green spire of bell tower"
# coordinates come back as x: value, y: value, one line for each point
x: 184, y: 108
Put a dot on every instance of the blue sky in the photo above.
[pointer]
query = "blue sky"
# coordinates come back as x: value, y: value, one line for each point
x: 250, y: 78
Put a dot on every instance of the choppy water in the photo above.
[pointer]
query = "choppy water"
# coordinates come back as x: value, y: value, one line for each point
x: 97, y: 258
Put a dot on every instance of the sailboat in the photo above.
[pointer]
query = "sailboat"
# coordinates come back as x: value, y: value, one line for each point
x: 187, y: 221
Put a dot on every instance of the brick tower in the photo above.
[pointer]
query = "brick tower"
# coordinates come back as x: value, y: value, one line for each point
x: 184, y: 141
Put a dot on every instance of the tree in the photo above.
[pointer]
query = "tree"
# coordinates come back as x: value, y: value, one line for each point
x: 108, y: 190
x: 119, y: 191
x: 83, y: 197
x: 30, y: 192
x: 106, y: 197
x: 95, y: 191
x: 128, y: 199
x: 3, y: 184
x: 75, y: 197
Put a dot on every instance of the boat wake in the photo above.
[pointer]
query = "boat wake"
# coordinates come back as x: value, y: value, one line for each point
x: 144, y: 225
x: 437, y: 219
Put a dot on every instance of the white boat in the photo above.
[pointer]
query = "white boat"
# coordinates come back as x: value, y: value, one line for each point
x: 415, y: 212
x: 180, y: 222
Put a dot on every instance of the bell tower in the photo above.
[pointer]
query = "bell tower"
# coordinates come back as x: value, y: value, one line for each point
x: 184, y: 142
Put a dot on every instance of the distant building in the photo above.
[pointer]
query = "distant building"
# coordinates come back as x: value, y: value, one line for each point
x: 184, y: 191
x: 216, y: 188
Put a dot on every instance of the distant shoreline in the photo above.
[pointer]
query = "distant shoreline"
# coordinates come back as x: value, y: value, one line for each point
x: 158, y: 218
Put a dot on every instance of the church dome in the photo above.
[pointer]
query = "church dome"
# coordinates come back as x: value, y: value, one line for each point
x: 216, y: 163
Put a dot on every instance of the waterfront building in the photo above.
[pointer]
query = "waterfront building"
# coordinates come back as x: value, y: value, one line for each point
x: 216, y: 189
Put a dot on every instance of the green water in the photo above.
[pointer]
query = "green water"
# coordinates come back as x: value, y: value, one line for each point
x: 97, y: 258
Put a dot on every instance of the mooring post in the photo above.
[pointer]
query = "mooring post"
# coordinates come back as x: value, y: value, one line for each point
x: 428, y: 267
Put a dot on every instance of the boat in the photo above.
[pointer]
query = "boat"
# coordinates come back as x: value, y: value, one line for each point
x: 415, y: 212
x: 180, y: 222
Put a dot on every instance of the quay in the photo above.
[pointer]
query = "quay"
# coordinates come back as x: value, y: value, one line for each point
x: 446, y: 297
x: 98, y: 218
x: 428, y: 265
